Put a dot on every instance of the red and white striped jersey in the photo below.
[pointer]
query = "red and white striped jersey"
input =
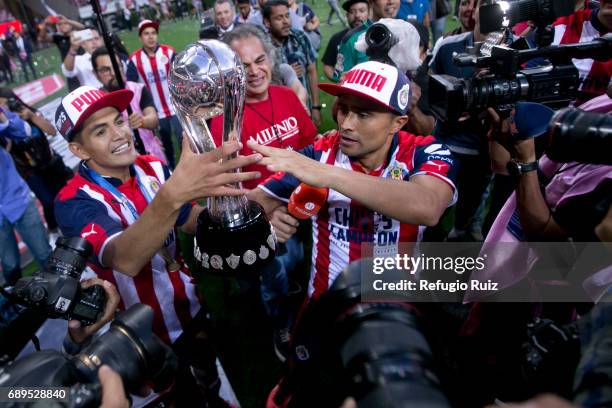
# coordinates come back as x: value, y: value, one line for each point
x: 83, y: 208
x: 343, y: 224
x: 153, y: 72
x: 580, y: 27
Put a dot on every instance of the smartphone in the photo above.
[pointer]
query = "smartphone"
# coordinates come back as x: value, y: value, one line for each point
x: 83, y: 35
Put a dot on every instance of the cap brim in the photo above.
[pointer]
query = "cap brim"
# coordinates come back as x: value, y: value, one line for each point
x: 119, y: 100
x: 336, y: 90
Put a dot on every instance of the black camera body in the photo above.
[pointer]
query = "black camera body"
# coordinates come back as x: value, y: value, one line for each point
x: 57, y: 290
x: 451, y: 97
x: 374, y: 352
x: 129, y: 347
x: 14, y: 105
x: 554, y: 85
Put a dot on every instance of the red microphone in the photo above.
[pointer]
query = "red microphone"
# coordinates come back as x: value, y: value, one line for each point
x: 306, y: 201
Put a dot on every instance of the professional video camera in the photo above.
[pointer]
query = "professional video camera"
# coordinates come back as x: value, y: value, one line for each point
x: 553, y: 85
x: 374, y: 352
x: 380, y: 40
x: 57, y: 290
x: 129, y: 347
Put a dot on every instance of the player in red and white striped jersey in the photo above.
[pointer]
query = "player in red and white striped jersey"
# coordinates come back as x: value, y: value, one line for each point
x: 584, y: 26
x: 150, y: 65
x: 129, y: 208
x: 383, y: 184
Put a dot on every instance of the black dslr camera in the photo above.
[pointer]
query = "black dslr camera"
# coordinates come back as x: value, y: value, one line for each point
x: 14, y: 105
x: 375, y: 352
x: 129, y: 347
x: 57, y: 290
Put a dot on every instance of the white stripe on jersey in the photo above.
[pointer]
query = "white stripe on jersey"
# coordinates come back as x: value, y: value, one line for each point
x: 164, y: 291
x: 149, y: 80
x: 127, y: 289
x: 190, y: 290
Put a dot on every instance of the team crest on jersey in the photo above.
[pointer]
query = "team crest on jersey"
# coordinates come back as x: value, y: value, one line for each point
x: 403, y: 96
x: 154, y: 184
x: 163, y: 59
x: 397, y: 170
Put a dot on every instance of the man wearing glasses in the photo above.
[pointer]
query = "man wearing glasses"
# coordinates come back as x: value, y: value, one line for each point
x: 144, y: 114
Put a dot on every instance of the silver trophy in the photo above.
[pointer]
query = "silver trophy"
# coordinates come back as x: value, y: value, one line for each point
x: 207, y: 80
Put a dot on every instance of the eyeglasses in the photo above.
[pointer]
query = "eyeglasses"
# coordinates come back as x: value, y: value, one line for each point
x: 105, y: 70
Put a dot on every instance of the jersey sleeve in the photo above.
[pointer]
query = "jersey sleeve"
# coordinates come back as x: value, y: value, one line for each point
x: 82, y: 216
x: 281, y: 185
x: 436, y: 160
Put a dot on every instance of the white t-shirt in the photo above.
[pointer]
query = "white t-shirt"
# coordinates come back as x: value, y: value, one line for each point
x: 83, y: 70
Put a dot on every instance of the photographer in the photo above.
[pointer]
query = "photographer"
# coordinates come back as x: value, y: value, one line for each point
x: 61, y: 38
x: 581, y: 27
x: 79, y: 66
x: 544, y: 207
x: 128, y: 207
x: 18, y: 211
x: 42, y: 168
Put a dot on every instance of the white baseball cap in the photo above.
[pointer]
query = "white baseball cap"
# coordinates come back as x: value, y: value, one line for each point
x: 83, y: 102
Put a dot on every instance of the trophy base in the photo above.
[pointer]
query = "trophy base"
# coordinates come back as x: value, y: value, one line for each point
x: 233, y: 251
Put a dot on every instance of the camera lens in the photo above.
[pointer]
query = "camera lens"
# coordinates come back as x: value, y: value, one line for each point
x: 580, y: 136
x: 378, y: 35
x: 69, y: 257
x: 130, y: 348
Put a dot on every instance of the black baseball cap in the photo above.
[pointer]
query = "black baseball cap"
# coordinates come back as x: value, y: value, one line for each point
x: 348, y: 3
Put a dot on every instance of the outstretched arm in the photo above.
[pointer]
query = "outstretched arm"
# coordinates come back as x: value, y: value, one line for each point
x: 420, y: 201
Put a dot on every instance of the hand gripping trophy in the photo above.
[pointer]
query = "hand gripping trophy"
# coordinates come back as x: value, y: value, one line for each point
x: 233, y: 235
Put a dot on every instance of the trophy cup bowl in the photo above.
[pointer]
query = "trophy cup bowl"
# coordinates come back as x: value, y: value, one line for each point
x: 206, y: 80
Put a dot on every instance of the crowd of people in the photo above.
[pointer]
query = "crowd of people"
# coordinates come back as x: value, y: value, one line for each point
x: 391, y: 171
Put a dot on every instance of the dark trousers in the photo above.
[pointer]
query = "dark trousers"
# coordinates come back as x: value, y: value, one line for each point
x: 472, y: 180
x: 25, y: 63
x: 166, y: 127
x: 5, y: 67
